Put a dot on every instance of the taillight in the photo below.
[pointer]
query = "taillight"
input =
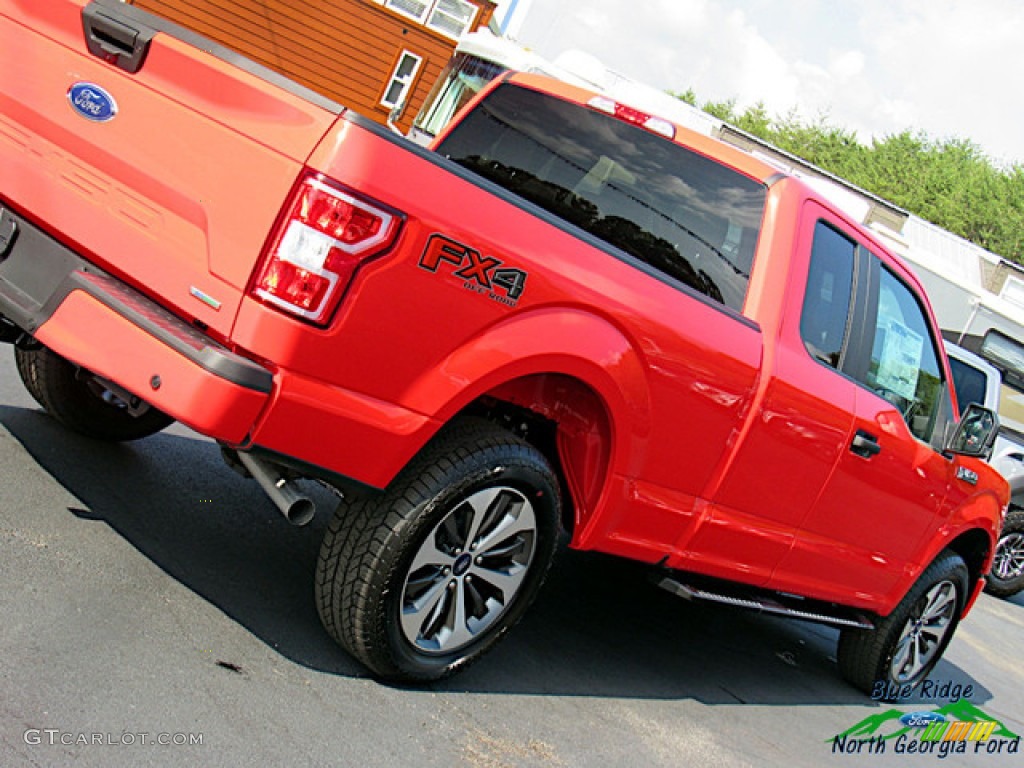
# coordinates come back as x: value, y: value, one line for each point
x: 635, y: 116
x: 324, y: 237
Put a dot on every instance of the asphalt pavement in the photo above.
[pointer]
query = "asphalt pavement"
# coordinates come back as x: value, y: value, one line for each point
x: 155, y: 609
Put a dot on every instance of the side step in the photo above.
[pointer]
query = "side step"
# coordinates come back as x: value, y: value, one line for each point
x: 809, y: 610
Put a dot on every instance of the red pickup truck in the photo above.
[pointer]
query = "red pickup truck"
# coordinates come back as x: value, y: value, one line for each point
x: 567, y: 315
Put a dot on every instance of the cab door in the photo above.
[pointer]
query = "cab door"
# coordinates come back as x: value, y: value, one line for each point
x: 891, y: 480
x: 804, y: 420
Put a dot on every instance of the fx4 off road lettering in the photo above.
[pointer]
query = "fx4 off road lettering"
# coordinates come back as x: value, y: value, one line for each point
x: 483, y: 274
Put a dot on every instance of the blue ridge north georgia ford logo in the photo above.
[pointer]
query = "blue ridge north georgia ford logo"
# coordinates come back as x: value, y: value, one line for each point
x: 92, y: 102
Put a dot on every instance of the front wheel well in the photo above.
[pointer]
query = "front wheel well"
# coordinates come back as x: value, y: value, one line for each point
x: 973, y: 547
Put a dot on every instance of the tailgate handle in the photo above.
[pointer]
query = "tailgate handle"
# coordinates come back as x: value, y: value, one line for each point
x: 865, y: 444
x: 115, y: 41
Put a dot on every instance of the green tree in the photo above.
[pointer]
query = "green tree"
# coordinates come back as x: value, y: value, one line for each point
x: 951, y: 183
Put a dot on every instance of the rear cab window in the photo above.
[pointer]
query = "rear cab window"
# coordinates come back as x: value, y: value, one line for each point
x: 679, y: 214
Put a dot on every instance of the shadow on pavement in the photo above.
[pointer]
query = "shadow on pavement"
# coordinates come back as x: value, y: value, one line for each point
x: 599, y: 627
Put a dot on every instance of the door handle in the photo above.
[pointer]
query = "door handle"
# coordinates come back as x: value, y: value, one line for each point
x: 865, y: 444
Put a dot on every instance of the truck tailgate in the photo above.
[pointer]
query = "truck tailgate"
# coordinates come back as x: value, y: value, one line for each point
x: 177, y: 190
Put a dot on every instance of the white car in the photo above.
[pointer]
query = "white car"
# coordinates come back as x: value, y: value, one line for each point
x: 978, y: 381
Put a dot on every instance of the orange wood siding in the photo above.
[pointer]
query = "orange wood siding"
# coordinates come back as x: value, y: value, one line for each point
x: 344, y: 49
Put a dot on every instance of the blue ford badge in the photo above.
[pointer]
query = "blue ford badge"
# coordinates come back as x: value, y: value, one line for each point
x: 92, y: 102
x: 921, y: 719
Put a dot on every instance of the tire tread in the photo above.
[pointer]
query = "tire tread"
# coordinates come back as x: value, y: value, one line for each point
x: 361, y: 550
x: 1014, y: 523
x: 863, y: 653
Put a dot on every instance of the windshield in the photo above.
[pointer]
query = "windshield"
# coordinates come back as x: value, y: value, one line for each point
x: 1007, y: 354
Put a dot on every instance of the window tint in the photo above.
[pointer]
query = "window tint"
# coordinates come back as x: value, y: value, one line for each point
x: 826, y: 309
x: 681, y: 213
x: 969, y: 382
x: 904, y: 367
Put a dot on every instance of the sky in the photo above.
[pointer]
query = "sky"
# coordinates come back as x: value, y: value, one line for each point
x: 953, y: 69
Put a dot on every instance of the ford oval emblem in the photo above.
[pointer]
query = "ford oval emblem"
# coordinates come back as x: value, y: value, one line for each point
x: 921, y: 719
x: 92, y: 102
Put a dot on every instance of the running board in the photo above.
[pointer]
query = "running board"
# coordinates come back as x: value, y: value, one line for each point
x: 819, y: 612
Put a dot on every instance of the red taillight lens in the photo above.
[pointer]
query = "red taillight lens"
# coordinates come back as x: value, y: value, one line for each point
x: 325, y: 236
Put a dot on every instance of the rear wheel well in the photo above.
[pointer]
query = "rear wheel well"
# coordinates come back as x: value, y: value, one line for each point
x: 539, y: 431
x: 566, y: 421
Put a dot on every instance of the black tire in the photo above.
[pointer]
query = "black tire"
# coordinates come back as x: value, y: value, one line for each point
x: 395, y: 567
x: 80, y: 402
x: 1007, y: 576
x: 922, y: 625
x: 23, y: 359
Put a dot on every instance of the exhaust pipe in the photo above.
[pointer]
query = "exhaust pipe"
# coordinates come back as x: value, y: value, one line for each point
x: 296, y: 508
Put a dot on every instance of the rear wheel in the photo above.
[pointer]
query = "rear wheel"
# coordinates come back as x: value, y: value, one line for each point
x: 425, y: 578
x: 80, y: 402
x: 1007, y: 576
x: 905, y: 645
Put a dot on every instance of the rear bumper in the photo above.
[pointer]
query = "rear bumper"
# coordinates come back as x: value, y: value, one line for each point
x: 102, y: 324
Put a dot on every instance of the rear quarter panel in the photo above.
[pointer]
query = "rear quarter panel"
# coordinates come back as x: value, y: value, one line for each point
x: 673, y: 370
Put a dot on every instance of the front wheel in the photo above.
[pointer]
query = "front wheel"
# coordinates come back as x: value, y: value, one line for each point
x: 1007, y: 576
x: 80, y: 402
x: 425, y: 578
x: 905, y: 645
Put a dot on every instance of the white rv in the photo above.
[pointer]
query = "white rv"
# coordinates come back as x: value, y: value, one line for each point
x: 482, y: 56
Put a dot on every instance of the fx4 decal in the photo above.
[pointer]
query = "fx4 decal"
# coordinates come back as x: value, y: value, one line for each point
x: 480, y: 274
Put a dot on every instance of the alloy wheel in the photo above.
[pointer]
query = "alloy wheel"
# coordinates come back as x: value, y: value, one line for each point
x: 468, y: 570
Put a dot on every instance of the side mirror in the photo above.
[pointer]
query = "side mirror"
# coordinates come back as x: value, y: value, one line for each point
x: 975, y: 435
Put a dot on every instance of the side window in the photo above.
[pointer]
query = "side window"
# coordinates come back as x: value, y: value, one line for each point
x: 826, y: 310
x: 904, y: 366
x: 401, y: 81
x: 452, y: 17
